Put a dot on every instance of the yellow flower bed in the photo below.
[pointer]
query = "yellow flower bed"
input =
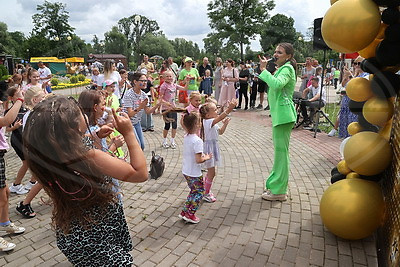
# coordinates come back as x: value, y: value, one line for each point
x: 71, y: 85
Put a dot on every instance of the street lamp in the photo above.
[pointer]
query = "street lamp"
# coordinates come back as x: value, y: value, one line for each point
x: 137, y: 22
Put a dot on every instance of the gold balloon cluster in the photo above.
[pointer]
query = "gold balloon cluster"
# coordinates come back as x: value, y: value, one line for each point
x: 353, y: 206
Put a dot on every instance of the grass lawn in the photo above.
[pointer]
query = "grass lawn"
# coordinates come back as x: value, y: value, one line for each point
x: 332, y: 111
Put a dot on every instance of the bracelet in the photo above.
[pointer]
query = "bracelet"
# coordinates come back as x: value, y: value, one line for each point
x: 20, y: 99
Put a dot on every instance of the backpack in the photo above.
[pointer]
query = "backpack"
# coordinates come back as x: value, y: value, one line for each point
x: 157, y: 166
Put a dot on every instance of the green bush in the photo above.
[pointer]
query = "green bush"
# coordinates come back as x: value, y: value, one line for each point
x: 3, y: 73
x: 68, y: 75
x: 73, y: 79
x: 54, y: 81
x: 81, y: 77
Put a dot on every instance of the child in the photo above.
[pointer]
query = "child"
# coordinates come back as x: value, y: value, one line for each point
x: 5, y: 223
x: 96, y: 81
x: 194, y: 105
x: 87, y: 214
x: 206, y: 85
x: 167, y: 95
x: 33, y: 96
x: 16, y: 142
x: 209, y: 133
x: 192, y: 158
x: 33, y: 80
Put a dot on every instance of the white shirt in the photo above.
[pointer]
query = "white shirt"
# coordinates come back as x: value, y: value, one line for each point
x: 316, y: 90
x: 25, y: 118
x: 192, y: 145
x: 43, y: 73
x: 210, y: 133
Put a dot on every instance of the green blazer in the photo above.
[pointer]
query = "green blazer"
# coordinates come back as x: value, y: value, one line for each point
x: 280, y: 94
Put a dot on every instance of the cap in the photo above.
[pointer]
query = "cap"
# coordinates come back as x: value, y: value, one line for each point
x: 188, y: 59
x: 143, y: 71
x: 108, y: 82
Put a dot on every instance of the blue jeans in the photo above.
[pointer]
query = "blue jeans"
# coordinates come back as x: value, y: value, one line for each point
x: 147, y: 121
x: 139, y: 134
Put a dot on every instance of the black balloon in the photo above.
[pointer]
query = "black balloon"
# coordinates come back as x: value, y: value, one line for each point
x: 391, y: 3
x: 385, y: 84
x: 387, y: 53
x: 366, y: 126
x: 337, y: 177
x: 392, y: 33
x: 390, y: 15
x: 356, y: 107
x: 334, y: 171
x: 370, y: 65
x: 374, y: 178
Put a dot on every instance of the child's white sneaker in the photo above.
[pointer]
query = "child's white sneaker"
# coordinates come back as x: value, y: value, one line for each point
x: 173, y: 145
x: 332, y: 133
x: 5, y: 245
x: 165, y: 145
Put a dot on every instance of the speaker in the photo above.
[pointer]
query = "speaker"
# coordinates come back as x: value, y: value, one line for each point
x: 318, y: 41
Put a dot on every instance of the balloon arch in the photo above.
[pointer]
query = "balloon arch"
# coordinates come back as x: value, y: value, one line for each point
x: 365, y: 190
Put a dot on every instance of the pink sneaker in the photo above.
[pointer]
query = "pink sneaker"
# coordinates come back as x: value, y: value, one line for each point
x: 182, y: 215
x: 209, y: 197
x: 191, y: 218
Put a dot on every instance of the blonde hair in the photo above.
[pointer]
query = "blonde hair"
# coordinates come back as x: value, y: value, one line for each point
x: 194, y: 94
x: 30, y: 94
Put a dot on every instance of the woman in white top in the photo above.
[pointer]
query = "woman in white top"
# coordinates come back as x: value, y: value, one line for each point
x: 110, y: 73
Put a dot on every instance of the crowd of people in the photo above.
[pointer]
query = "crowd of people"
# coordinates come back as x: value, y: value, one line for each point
x: 73, y: 148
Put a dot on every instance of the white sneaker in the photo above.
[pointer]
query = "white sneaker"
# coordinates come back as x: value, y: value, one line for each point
x: 11, y: 228
x: 173, y: 145
x: 29, y: 185
x: 6, y: 246
x: 332, y: 133
x: 271, y: 197
x: 18, y: 189
x: 165, y: 145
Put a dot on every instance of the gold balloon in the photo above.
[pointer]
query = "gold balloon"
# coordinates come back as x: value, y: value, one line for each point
x: 343, y: 168
x: 351, y: 25
x: 370, y: 50
x: 352, y: 175
x: 386, y: 130
x: 359, y: 89
x: 367, y: 153
x: 378, y: 111
x: 381, y: 32
x: 333, y: 1
x: 354, y: 128
x: 352, y: 208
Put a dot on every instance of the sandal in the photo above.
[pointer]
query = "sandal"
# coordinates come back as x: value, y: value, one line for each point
x: 26, y: 210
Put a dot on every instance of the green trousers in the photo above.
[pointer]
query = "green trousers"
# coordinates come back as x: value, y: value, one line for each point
x: 278, y: 179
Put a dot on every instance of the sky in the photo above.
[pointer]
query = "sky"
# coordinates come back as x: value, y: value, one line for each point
x: 176, y: 18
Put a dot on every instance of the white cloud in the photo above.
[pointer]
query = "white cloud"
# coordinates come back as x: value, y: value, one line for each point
x: 176, y: 18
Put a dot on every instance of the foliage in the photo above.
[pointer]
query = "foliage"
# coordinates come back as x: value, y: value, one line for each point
x: 157, y: 45
x: 115, y: 42
x: 3, y: 73
x: 98, y: 46
x: 81, y: 77
x: 68, y: 75
x: 214, y: 46
x: 278, y: 29
x: 184, y: 47
x: 135, y: 31
x: 236, y: 22
x: 6, y: 42
x: 73, y: 79
x: 62, y: 85
x: 52, y: 20
x: 54, y: 81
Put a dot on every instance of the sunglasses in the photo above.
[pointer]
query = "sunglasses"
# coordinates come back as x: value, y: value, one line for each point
x: 357, y: 63
x: 143, y: 81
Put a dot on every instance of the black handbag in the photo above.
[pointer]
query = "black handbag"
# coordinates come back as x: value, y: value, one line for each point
x: 157, y: 166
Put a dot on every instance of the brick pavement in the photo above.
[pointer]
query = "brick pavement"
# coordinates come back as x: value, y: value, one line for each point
x: 239, y: 229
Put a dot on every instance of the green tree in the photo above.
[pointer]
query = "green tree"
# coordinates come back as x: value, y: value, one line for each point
x: 278, y: 29
x: 52, y: 20
x: 184, y: 47
x: 238, y: 21
x: 214, y: 46
x: 37, y: 45
x: 6, y: 41
x: 135, y: 28
x: 98, y: 45
x: 157, y: 45
x: 115, y: 42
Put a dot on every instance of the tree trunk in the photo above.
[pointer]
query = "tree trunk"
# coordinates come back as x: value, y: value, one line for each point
x: 241, y: 51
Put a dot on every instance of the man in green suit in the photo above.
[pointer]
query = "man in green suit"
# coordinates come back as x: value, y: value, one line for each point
x: 281, y: 87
